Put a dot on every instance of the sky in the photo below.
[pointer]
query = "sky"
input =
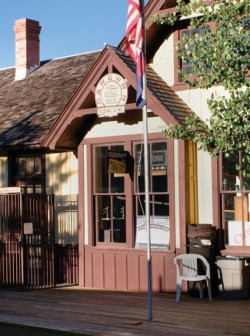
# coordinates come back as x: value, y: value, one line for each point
x: 69, y: 27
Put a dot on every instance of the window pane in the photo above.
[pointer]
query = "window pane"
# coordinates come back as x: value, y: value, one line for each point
x: 119, y: 219
x: 103, y: 218
x: 161, y: 204
x: 119, y: 207
x: 159, y: 167
x: 29, y: 165
x: 38, y: 165
x: 117, y: 181
x: 230, y: 175
x: 21, y: 170
x: 246, y: 183
x: 229, y: 213
x: 140, y: 200
x: 101, y: 177
x: 139, y: 158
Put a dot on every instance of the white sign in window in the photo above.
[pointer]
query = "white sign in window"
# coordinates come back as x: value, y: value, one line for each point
x: 159, y: 232
x: 235, y: 236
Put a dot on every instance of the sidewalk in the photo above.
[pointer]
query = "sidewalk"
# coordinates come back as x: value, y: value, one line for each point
x: 77, y: 311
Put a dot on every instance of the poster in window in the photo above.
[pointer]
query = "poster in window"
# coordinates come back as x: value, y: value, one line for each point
x: 117, y: 161
x: 235, y: 237
x: 159, y: 232
x: 159, y: 162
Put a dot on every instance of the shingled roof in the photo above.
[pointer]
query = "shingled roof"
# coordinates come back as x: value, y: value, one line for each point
x: 29, y: 107
x: 178, y: 109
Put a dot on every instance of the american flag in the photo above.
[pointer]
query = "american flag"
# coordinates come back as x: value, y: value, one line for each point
x: 134, y: 42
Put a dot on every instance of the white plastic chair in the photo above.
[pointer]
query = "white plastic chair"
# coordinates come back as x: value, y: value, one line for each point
x: 187, y: 269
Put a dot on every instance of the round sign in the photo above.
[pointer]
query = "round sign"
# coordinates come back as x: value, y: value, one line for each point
x: 111, y: 90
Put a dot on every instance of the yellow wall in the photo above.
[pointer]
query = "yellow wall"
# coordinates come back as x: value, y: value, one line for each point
x: 191, y: 183
x: 62, y: 175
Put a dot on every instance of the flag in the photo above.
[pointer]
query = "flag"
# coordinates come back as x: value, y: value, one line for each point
x: 135, y: 46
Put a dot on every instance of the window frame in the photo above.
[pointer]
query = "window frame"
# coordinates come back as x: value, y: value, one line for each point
x: 237, y: 194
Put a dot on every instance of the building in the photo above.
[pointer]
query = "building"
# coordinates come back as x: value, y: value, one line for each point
x: 71, y: 124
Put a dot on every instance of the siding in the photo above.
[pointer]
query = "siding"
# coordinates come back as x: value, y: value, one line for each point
x: 114, y: 128
x: 163, y: 61
x: 163, y: 64
x: 62, y: 175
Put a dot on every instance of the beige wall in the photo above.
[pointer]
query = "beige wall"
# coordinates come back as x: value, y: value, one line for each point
x: 114, y: 128
x: 62, y: 175
x: 163, y: 61
x: 163, y: 64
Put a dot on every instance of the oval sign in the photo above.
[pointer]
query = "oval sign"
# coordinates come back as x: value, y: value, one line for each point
x: 111, y: 95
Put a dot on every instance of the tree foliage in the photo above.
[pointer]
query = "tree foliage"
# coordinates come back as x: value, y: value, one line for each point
x: 218, y: 56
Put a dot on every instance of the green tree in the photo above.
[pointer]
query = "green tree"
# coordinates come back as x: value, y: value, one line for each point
x: 218, y: 56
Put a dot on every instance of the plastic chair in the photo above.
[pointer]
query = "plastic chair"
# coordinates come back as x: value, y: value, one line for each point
x: 187, y: 269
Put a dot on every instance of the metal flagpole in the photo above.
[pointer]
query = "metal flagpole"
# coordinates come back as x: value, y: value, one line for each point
x: 146, y: 175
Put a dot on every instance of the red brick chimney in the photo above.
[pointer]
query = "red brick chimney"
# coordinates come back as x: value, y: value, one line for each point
x: 27, y: 47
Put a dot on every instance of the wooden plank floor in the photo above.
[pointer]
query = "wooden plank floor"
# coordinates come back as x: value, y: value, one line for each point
x: 77, y: 311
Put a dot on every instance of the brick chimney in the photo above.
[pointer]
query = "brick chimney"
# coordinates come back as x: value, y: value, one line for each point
x: 27, y: 47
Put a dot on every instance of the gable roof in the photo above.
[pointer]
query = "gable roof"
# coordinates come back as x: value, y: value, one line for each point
x: 29, y: 107
x: 75, y: 121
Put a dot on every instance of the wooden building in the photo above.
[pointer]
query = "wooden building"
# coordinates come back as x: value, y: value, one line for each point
x: 71, y: 124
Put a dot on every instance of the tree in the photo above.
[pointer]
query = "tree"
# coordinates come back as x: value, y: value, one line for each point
x: 218, y: 56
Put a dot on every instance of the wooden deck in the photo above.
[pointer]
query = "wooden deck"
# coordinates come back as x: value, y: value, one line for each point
x: 76, y: 311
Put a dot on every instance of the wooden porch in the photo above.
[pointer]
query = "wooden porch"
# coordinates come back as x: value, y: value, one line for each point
x: 77, y: 311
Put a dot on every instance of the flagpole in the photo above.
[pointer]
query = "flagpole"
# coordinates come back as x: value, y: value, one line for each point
x: 135, y: 40
x: 146, y: 175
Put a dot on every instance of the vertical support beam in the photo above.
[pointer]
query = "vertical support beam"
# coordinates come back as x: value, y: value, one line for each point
x: 81, y: 230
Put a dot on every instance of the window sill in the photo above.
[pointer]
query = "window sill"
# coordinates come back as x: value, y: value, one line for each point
x: 238, y: 251
x: 124, y: 247
x: 179, y: 86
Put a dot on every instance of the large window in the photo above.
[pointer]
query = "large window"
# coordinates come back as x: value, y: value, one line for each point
x: 109, y: 200
x: 119, y: 198
x: 235, y: 200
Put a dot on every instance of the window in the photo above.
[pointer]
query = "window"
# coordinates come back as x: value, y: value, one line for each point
x: 186, y: 67
x: 115, y: 193
x: 28, y: 169
x: 183, y: 32
x: 158, y: 196
x: 109, y: 200
x: 235, y: 200
x: 190, y: 33
x: 28, y: 165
